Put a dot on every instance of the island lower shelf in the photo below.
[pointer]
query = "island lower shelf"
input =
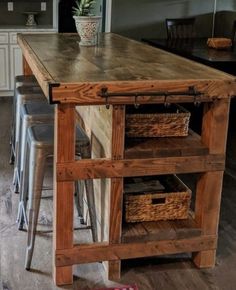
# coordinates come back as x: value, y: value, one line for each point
x: 190, y: 145
x: 161, y: 230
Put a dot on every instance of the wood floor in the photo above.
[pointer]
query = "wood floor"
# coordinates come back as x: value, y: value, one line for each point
x: 165, y: 273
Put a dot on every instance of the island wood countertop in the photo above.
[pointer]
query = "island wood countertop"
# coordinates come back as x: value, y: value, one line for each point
x: 118, y: 64
x: 116, y: 72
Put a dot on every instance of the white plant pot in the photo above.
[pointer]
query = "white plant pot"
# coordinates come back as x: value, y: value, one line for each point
x: 87, y: 28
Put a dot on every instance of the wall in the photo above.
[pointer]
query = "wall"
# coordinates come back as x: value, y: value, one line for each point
x: 225, y: 16
x: 145, y: 18
x: 17, y: 16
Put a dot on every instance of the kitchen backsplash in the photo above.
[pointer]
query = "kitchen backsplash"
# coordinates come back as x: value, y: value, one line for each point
x: 17, y: 16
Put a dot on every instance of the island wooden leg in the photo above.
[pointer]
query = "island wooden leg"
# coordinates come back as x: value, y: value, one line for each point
x: 26, y: 68
x: 116, y: 200
x: 209, y: 187
x: 63, y: 191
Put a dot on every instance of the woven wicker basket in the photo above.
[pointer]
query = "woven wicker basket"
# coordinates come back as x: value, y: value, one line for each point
x: 219, y: 42
x: 157, y: 121
x: 156, y: 198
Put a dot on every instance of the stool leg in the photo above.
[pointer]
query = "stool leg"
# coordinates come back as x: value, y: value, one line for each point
x: 17, y: 138
x: 16, y: 172
x: 22, y: 149
x: 79, y: 189
x: 36, y: 175
x: 23, y: 193
x: 12, y: 154
x: 86, y: 153
x: 12, y: 136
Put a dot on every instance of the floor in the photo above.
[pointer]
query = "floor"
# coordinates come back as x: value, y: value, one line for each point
x: 166, y: 273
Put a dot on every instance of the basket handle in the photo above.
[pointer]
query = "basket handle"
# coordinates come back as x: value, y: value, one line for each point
x: 156, y: 200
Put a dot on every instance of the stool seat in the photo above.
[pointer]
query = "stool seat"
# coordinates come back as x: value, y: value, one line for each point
x: 43, y: 135
x: 23, y: 95
x: 41, y: 146
x: 30, y: 114
x: 23, y: 80
x: 38, y: 109
x: 25, y: 90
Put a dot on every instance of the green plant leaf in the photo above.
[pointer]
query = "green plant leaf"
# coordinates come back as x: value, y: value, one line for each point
x: 83, y: 7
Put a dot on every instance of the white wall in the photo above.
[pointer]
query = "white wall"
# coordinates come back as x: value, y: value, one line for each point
x: 145, y: 18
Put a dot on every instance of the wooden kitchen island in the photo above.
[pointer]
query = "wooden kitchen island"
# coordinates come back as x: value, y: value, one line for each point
x: 100, y: 82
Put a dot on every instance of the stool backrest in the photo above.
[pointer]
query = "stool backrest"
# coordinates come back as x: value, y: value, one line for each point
x: 181, y: 28
x: 233, y: 35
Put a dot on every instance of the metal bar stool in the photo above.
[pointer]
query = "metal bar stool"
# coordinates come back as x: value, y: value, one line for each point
x: 23, y: 95
x: 26, y: 81
x: 30, y: 114
x: 40, y: 143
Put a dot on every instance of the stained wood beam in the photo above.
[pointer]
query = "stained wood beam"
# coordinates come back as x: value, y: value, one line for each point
x: 98, y: 168
x: 81, y: 254
x: 32, y: 65
x: 90, y: 93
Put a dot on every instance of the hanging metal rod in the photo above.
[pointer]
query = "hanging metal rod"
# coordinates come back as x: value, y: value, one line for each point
x: 190, y: 92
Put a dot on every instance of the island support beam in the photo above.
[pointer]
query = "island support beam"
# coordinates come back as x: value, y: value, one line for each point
x: 209, y: 186
x: 116, y: 199
x: 63, y: 197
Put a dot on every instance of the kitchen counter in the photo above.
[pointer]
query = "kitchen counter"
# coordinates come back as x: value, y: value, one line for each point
x: 10, y: 53
x: 115, y: 73
x: 16, y: 28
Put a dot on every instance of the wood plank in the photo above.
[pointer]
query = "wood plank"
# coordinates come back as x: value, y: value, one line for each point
x: 89, y: 93
x: 215, y: 126
x: 163, y: 147
x: 64, y: 150
x: 161, y: 230
x: 35, y: 65
x: 99, y: 168
x: 139, y: 68
x: 26, y: 68
x: 116, y: 198
x: 104, y: 252
x: 209, y: 187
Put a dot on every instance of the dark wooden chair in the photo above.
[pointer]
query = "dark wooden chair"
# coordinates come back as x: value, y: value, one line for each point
x: 233, y: 35
x: 181, y: 28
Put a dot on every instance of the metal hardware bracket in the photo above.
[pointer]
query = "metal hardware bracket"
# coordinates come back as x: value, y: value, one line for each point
x: 190, y: 92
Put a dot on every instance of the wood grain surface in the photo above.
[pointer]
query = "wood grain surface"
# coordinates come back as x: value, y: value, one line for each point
x: 96, y: 252
x: 70, y: 75
x: 116, y: 198
x: 99, y: 168
x: 120, y: 64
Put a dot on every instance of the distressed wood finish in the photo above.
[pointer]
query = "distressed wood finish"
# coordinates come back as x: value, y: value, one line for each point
x: 97, y: 122
x: 121, y: 65
x: 87, y: 168
x: 163, y: 230
x: 72, y: 75
x: 105, y: 251
x: 36, y: 66
x: 116, y: 199
x: 64, y: 151
x: 89, y: 93
x: 162, y: 147
x: 26, y: 68
x: 209, y: 187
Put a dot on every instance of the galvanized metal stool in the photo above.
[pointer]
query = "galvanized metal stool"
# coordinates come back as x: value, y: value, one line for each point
x: 23, y: 95
x: 25, y: 81
x: 40, y: 142
x: 30, y: 114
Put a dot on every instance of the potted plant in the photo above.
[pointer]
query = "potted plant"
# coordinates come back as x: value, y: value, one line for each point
x: 87, y: 24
